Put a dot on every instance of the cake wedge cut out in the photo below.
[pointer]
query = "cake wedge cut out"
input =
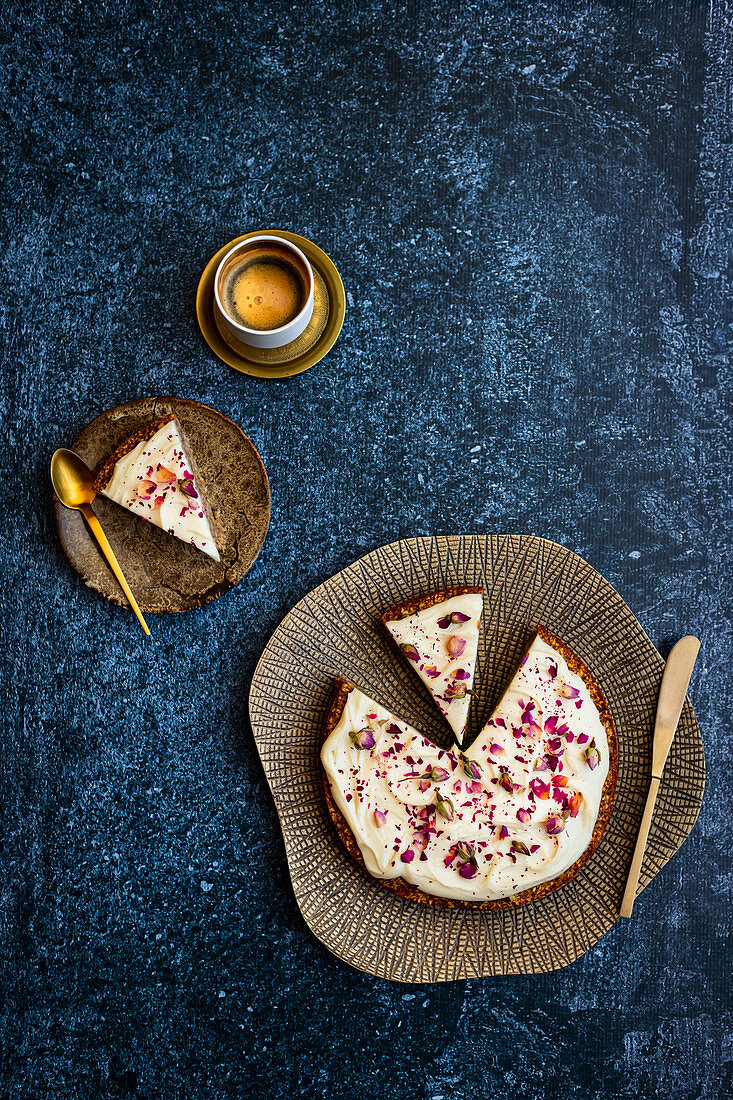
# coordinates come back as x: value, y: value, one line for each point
x: 501, y: 823
x: 438, y: 635
x: 153, y: 475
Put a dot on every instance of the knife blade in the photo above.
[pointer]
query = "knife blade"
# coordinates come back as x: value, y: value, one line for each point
x: 672, y: 694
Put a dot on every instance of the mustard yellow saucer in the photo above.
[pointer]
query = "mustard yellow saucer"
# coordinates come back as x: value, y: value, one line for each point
x: 329, y: 309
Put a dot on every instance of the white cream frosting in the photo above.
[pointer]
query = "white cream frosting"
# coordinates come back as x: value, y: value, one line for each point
x: 528, y: 816
x: 426, y: 639
x: 154, y: 481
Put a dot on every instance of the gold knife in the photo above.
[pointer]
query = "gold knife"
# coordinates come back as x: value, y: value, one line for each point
x: 672, y: 693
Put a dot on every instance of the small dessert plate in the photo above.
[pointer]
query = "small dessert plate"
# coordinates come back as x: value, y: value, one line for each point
x: 329, y: 309
x: 164, y: 573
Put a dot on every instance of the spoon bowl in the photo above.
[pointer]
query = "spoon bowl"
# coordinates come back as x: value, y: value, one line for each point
x: 71, y: 479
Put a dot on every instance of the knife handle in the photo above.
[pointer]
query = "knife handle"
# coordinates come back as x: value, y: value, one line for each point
x: 632, y: 881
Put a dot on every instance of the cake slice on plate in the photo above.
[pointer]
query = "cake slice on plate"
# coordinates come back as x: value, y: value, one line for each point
x: 153, y: 475
x: 438, y: 635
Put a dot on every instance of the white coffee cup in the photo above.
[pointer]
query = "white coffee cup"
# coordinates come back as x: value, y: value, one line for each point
x: 291, y: 255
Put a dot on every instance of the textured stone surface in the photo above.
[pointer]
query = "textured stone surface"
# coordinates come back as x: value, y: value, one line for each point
x: 529, y: 205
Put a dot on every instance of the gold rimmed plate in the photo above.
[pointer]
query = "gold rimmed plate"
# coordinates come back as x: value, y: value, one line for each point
x: 329, y: 309
x: 164, y: 573
x: 334, y: 631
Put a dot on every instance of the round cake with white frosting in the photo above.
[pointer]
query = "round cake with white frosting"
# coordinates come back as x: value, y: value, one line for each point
x: 513, y: 816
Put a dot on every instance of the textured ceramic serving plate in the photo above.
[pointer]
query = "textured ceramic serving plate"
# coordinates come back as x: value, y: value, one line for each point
x: 334, y: 631
x: 164, y: 573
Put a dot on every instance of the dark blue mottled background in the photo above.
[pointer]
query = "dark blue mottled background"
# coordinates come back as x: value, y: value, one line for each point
x: 529, y: 204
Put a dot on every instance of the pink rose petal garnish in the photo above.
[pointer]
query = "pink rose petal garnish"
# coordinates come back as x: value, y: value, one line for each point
x: 523, y: 815
x: 431, y: 671
x: 541, y: 789
x: 565, y: 691
x: 593, y: 757
x: 461, y: 674
x: 574, y: 803
x: 455, y: 646
x: 380, y: 818
x: 187, y: 487
x: 468, y: 870
x: 409, y: 651
x: 554, y: 825
x: 363, y: 738
x: 505, y: 781
x: 407, y: 856
x: 445, y: 807
x: 496, y: 749
x: 472, y: 769
x: 164, y: 475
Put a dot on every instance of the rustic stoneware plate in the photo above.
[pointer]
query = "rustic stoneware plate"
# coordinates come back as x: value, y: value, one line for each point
x: 333, y: 631
x: 164, y: 573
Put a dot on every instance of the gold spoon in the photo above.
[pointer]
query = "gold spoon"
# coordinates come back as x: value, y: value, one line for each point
x: 72, y: 483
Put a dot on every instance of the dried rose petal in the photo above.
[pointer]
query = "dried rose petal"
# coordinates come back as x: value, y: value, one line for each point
x: 518, y: 846
x: 541, y: 764
x: 186, y: 485
x: 554, y: 825
x: 455, y: 645
x: 363, y: 738
x: 505, y: 781
x: 409, y: 651
x: 472, y: 769
x: 565, y: 691
x: 464, y: 850
x: 574, y: 803
x: 461, y: 674
x: 541, y: 789
x: 445, y: 807
x: 145, y: 489
x: 592, y: 756
x: 423, y: 785
x: 582, y: 738
x: 407, y: 856
x: 552, y: 669
x: 438, y: 775
x: 452, y: 617
x: 431, y: 671
x: 496, y: 749
x: 523, y: 815
x: 468, y: 870
x: 559, y: 781
x: 380, y: 818
x: 164, y: 475
x: 503, y: 832
x: 455, y: 691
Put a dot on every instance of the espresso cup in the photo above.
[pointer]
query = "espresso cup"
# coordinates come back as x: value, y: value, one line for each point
x: 263, y: 291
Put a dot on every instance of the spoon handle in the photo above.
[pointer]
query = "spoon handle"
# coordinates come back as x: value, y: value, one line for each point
x: 109, y: 554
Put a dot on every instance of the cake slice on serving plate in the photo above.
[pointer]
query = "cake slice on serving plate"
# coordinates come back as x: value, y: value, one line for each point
x: 438, y: 635
x: 516, y: 815
x: 152, y: 475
